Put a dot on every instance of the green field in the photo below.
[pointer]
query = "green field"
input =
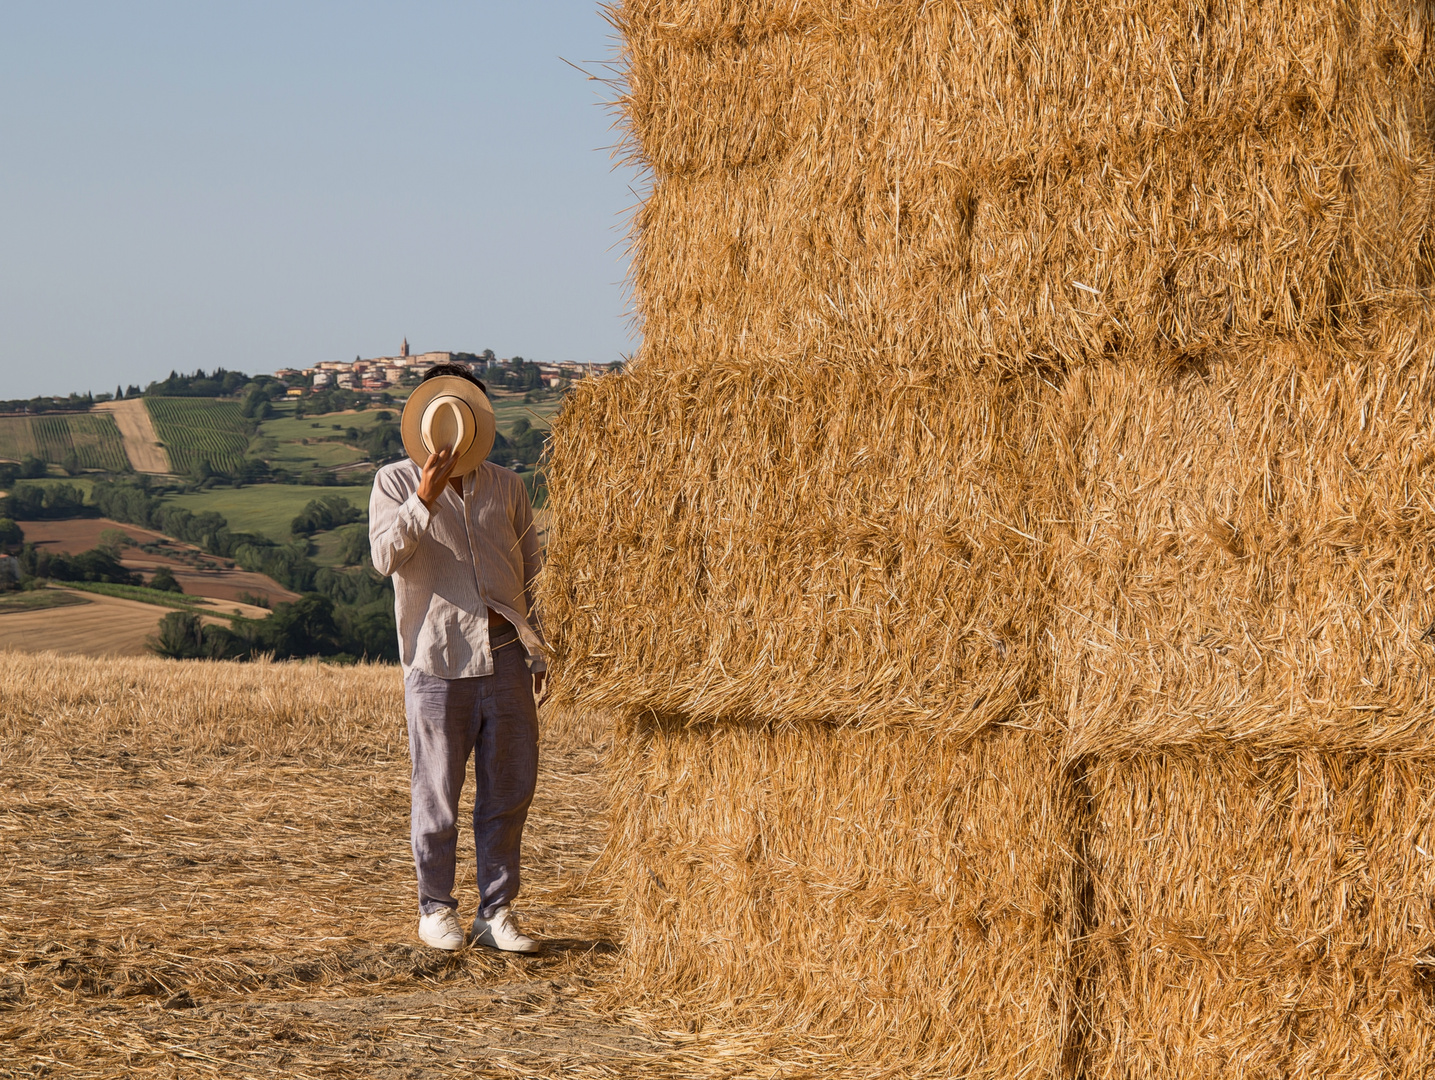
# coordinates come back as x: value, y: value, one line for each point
x: 93, y: 437
x: 508, y: 408
x: 266, y: 509
x: 198, y: 430
x: 38, y: 600
x: 140, y: 593
x: 321, y: 442
x: 312, y: 442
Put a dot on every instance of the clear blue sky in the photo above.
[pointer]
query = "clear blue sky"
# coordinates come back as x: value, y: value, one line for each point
x: 263, y: 184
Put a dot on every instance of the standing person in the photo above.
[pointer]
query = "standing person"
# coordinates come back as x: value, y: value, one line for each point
x: 456, y: 532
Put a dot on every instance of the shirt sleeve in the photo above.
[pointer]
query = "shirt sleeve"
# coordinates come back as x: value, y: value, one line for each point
x: 527, y: 530
x: 396, y: 524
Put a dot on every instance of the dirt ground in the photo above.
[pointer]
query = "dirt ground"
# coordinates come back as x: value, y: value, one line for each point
x: 142, y: 445
x: 207, y: 872
x: 198, y: 574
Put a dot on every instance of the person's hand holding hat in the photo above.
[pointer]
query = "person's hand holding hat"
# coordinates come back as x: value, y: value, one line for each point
x: 437, y: 469
x: 448, y: 429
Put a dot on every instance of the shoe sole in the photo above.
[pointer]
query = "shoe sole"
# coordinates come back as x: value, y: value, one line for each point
x: 499, y: 948
x: 443, y: 945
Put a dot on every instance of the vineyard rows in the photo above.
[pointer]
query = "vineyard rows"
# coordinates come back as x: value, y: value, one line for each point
x: 93, y: 437
x: 195, y: 431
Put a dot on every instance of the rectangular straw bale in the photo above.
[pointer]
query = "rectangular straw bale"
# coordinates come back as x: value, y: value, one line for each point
x: 904, y: 891
x: 754, y: 541
x: 1019, y: 182
x: 1245, y: 551
x: 1262, y: 917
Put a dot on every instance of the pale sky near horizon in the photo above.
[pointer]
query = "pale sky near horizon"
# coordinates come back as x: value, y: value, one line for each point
x: 261, y: 185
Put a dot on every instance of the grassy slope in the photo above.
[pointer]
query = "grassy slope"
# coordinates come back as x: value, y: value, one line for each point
x: 327, y: 544
x: 265, y: 508
x: 281, y: 441
x: 139, y: 593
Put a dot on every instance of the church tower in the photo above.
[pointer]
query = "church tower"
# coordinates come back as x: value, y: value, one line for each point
x: 404, y: 348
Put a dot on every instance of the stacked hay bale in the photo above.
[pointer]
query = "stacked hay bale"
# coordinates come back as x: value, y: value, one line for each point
x: 1010, y: 550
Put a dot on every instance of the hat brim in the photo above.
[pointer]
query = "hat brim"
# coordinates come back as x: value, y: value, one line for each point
x: 411, y: 423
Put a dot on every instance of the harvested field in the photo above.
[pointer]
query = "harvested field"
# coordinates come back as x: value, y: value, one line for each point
x: 105, y: 626
x: 83, y: 534
x: 208, y: 871
x: 141, y: 442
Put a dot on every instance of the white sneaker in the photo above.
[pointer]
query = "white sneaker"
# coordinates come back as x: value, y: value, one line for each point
x: 441, y: 930
x: 500, y: 932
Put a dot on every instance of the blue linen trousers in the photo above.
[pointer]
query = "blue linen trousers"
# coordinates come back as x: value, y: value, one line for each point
x: 494, y: 720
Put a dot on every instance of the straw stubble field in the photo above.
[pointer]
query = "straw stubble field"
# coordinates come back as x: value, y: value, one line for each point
x: 207, y: 873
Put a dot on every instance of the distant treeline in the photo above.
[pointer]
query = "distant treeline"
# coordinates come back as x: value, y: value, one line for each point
x: 72, y: 403
x: 220, y: 383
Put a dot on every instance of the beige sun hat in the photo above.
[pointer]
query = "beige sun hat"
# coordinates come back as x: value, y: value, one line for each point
x: 448, y: 411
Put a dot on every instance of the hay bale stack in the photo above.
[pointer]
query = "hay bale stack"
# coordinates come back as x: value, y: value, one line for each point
x: 805, y: 879
x: 757, y: 541
x: 1264, y: 916
x: 1249, y: 555
x: 1011, y: 371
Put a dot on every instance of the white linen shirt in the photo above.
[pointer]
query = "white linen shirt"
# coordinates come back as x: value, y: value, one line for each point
x: 454, y: 563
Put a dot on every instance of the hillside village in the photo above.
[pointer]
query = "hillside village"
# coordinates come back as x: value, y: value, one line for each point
x: 382, y: 373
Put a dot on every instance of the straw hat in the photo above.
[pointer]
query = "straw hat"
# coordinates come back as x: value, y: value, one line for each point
x: 448, y: 411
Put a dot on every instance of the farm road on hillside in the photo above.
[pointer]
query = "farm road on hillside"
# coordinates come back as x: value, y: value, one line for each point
x: 142, y: 446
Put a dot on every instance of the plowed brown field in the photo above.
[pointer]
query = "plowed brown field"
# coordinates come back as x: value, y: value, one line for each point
x: 224, y: 582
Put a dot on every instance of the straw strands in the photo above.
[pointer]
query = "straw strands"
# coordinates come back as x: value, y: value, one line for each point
x: 1264, y: 916
x: 207, y: 871
x: 1030, y: 440
x: 1014, y: 181
x: 802, y: 880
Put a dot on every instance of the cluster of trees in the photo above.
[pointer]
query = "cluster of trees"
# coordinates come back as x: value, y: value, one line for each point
x: 360, y: 601
x: 323, y: 514
x: 11, y: 535
x: 525, y: 444
x: 53, y: 403
x: 29, y: 468
x: 310, y: 626
x: 54, y: 501
x: 97, y: 564
x: 383, y: 442
x: 256, y: 401
x: 332, y: 399
x: 516, y: 374
x: 220, y: 383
